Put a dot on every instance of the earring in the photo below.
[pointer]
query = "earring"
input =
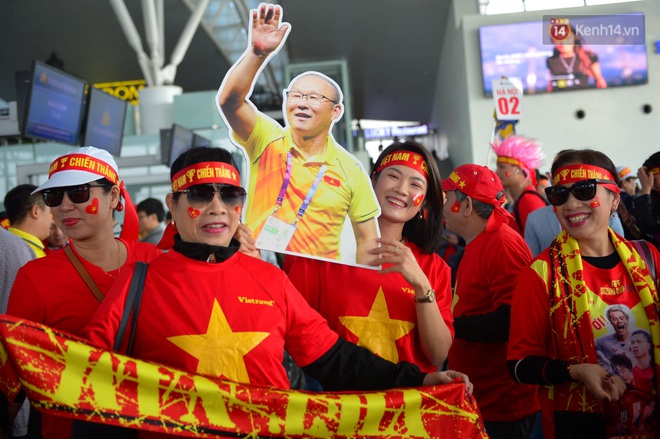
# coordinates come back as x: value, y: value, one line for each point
x: 173, y: 225
x: 420, y: 215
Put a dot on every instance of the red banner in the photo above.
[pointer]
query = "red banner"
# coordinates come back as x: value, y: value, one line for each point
x: 63, y: 375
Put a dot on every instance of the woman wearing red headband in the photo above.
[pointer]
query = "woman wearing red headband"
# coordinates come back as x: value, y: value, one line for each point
x: 580, y: 303
x: 212, y: 310
x: 83, y: 191
x: 403, y: 312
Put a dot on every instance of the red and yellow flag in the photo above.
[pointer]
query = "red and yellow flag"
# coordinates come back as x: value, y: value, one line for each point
x: 64, y: 376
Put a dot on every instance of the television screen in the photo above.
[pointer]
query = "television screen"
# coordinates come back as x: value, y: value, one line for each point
x: 165, y: 145
x: 527, y: 52
x: 105, y: 121
x: 55, y: 105
x: 182, y: 140
x: 200, y: 141
x: 23, y: 80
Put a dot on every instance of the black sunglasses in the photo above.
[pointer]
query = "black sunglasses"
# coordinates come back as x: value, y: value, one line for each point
x: 77, y: 194
x: 204, y: 193
x: 582, y: 190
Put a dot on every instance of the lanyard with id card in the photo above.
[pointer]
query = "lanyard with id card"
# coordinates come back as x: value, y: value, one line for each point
x: 276, y: 234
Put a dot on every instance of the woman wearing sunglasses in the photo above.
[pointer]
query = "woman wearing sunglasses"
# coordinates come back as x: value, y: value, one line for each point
x: 562, y: 332
x: 212, y: 310
x: 83, y: 191
x: 403, y: 311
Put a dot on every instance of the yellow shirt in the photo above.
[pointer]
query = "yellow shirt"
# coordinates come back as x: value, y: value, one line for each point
x: 35, y: 243
x: 344, y: 190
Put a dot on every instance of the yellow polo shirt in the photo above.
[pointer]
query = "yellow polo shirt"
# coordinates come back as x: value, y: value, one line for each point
x: 344, y: 190
x: 35, y: 244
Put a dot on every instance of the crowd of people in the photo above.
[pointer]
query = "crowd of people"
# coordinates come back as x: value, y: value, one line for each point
x: 578, y: 323
x: 548, y: 312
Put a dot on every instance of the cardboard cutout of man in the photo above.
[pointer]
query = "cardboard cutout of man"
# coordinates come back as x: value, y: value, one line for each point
x: 302, y: 183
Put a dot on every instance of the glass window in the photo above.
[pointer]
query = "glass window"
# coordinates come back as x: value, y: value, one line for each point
x: 492, y: 7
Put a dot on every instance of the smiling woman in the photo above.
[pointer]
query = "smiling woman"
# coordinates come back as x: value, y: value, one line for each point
x: 401, y: 313
x: 83, y: 191
x: 201, y: 216
x: 565, y: 332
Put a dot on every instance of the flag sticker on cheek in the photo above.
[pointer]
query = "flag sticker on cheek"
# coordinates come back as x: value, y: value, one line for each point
x: 417, y: 199
x: 508, y: 174
x: 93, y: 208
x: 595, y: 202
x: 237, y: 209
x: 456, y: 207
x: 194, y: 213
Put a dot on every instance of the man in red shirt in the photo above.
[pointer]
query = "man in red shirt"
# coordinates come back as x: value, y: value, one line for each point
x: 485, y: 280
x: 518, y: 158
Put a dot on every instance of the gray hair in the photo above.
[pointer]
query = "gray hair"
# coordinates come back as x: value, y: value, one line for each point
x: 483, y: 210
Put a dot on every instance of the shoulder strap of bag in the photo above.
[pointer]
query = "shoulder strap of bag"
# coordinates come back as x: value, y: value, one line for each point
x: 132, y: 306
x: 642, y: 248
x: 83, y: 273
x: 516, y: 215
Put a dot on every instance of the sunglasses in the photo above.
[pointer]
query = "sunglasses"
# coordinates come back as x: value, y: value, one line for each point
x: 582, y: 190
x: 204, y: 193
x: 77, y: 194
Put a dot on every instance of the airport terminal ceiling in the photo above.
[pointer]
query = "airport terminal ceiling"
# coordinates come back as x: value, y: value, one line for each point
x: 392, y: 48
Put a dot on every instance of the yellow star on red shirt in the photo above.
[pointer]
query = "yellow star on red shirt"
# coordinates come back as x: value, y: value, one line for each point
x: 377, y: 331
x: 220, y: 351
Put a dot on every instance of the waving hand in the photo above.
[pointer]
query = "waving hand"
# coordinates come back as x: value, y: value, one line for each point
x: 267, y: 32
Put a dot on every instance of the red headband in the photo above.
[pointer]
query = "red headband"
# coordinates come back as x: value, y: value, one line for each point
x: 205, y: 173
x: 83, y: 162
x: 86, y: 163
x: 511, y: 161
x: 655, y: 170
x: 405, y: 158
x: 516, y: 162
x: 574, y: 173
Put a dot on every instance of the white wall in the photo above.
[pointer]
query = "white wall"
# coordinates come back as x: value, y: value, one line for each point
x: 614, y: 122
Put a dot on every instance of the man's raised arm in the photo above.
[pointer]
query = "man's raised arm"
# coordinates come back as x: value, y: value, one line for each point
x: 266, y: 35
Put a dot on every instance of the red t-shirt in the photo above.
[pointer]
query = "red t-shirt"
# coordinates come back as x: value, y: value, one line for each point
x: 229, y: 320
x: 50, y: 291
x: 527, y: 204
x: 374, y: 310
x: 485, y: 280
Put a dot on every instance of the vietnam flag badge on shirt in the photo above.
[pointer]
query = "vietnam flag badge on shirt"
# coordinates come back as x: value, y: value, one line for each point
x: 332, y: 181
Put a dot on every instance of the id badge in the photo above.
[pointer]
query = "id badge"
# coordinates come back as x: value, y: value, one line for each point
x: 275, y: 235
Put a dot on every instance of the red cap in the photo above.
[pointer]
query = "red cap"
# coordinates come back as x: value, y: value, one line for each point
x: 477, y: 182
